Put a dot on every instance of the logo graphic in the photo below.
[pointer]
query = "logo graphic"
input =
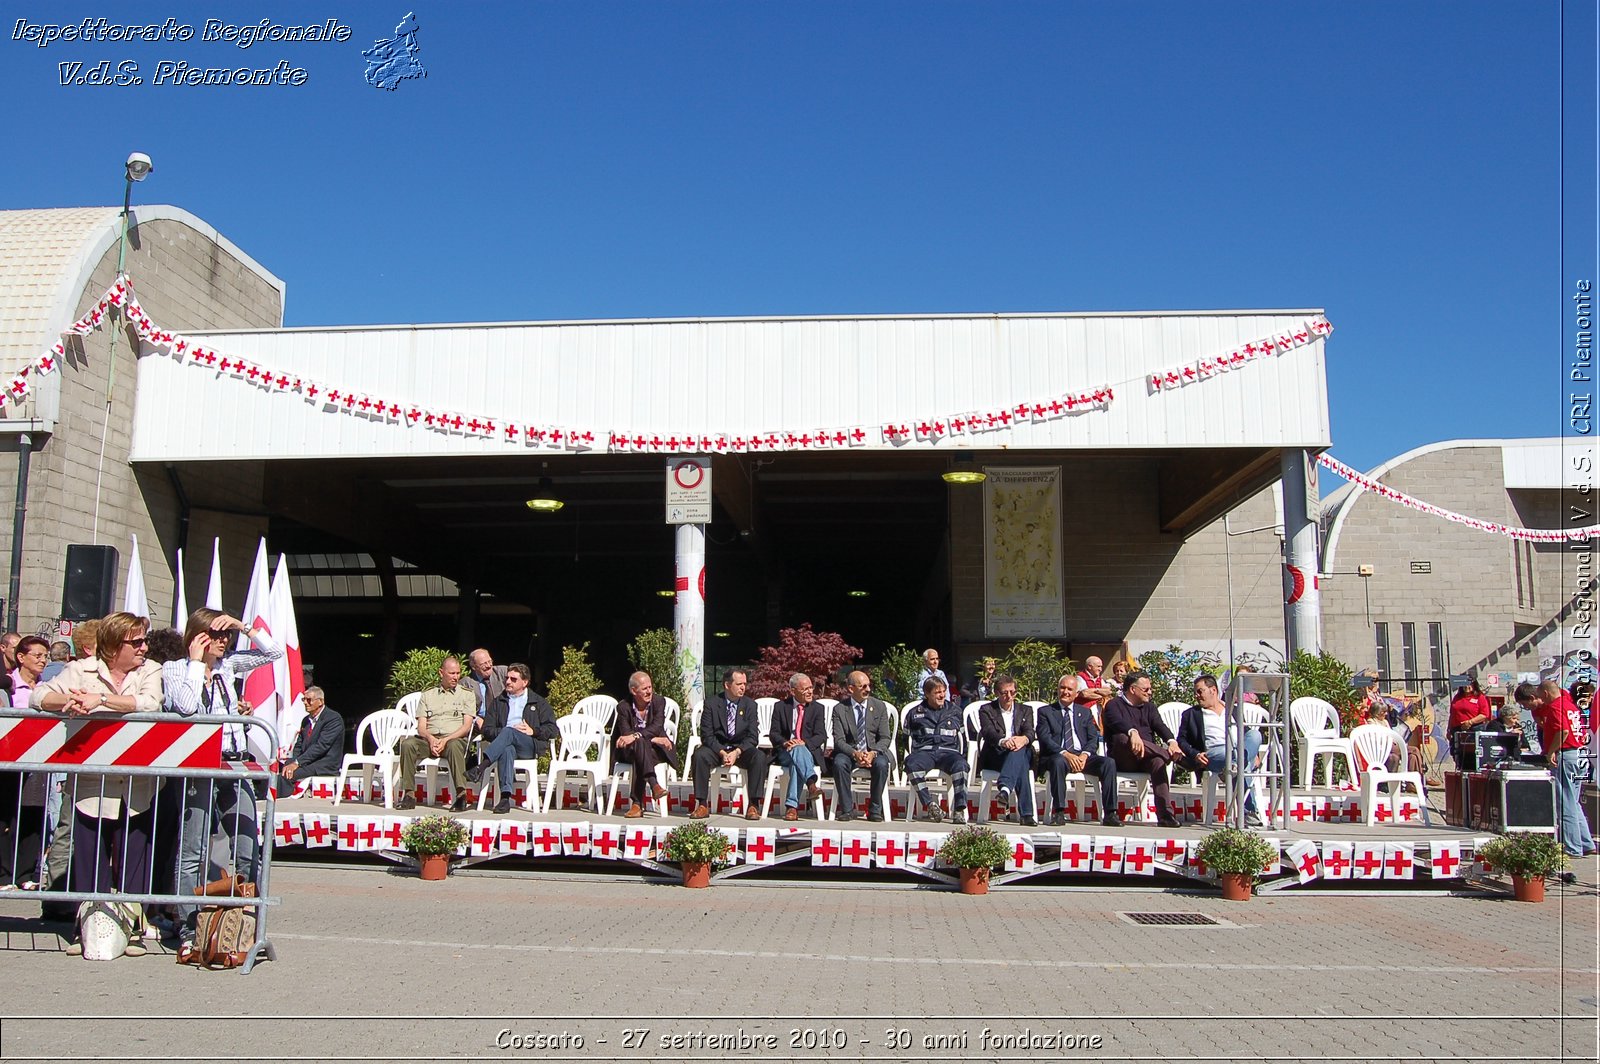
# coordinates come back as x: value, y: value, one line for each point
x: 389, y: 62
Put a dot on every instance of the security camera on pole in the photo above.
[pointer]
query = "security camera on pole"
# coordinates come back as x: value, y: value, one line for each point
x: 689, y: 507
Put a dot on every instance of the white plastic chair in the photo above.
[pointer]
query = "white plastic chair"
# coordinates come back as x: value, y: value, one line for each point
x: 384, y: 729
x: 580, y: 735
x: 1172, y: 715
x: 602, y: 708
x: 693, y: 742
x: 408, y: 704
x: 1316, y: 724
x: 622, y: 772
x: 1374, y: 744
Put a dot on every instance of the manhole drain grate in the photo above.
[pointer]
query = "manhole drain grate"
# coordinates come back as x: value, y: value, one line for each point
x: 1172, y: 919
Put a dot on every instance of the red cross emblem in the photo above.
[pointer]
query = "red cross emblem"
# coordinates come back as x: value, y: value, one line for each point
x: 316, y: 830
x: 1169, y: 850
x: 1106, y: 857
x: 922, y: 852
x: 857, y: 851
x: 1137, y: 857
x: 371, y: 834
x: 392, y: 835
x: 1398, y: 863
x: 484, y: 839
x: 1310, y: 864
x: 575, y: 839
x: 1383, y: 814
x: 1021, y: 854
x: 288, y: 833
x: 858, y: 436
x: 512, y: 432
x: 1367, y: 863
x: 512, y: 837
x: 349, y: 834
x: 1445, y: 862
x: 1327, y: 813
x: 365, y: 404
x: 1336, y: 862
x: 639, y: 843
x: 472, y: 426
x: 394, y: 410
x: 889, y: 853
x: 602, y: 840
x: 825, y: 849
x: 1301, y: 812
x: 1352, y: 812
x: 349, y: 400
x: 1074, y: 855
x: 758, y: 848
x: 547, y: 840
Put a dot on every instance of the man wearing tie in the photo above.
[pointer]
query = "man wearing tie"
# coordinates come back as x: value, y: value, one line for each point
x: 730, y: 736
x: 1070, y: 742
x: 1005, y: 746
x: 798, y: 732
x: 318, y: 745
x: 862, y: 734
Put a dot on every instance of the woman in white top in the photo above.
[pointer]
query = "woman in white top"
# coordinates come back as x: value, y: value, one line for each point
x: 22, y: 794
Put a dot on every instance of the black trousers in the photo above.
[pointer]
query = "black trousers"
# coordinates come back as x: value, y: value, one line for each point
x: 1155, y: 761
x: 753, y: 762
x: 1097, y: 766
x: 843, y: 766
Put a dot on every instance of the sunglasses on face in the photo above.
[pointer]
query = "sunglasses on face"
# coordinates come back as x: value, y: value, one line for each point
x: 141, y: 641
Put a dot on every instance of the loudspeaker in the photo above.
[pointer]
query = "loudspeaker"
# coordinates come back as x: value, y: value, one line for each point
x: 90, y: 579
x: 1521, y: 801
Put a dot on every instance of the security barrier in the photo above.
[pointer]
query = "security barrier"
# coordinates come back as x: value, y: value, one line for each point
x: 139, y: 807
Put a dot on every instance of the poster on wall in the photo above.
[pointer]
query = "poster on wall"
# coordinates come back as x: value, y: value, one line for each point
x: 1022, y: 571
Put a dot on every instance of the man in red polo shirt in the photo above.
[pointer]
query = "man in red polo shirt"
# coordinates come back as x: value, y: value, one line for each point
x: 1561, y: 737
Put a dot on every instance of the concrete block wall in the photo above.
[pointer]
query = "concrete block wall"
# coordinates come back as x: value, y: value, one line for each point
x: 185, y: 281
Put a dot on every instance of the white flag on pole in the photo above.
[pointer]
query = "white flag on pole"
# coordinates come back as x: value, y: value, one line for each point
x: 289, y: 673
x: 214, y: 589
x: 180, y: 608
x: 134, y: 600
x: 260, y: 686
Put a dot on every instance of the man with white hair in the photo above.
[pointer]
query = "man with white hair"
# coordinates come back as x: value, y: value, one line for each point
x: 799, y: 730
x: 639, y: 739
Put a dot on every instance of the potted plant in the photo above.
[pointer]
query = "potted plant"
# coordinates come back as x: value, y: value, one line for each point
x: 696, y: 848
x: 1237, y: 856
x: 1528, y: 858
x: 975, y: 850
x: 432, y: 839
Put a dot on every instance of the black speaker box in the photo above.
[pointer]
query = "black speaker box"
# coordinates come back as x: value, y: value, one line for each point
x: 1521, y: 801
x: 90, y: 580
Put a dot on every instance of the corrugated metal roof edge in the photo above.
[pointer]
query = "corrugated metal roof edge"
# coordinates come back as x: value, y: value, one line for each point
x: 969, y: 316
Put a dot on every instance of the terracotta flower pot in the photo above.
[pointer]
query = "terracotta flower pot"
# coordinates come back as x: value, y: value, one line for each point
x: 1527, y: 888
x: 1236, y: 886
x: 697, y: 873
x: 974, y: 881
x: 434, y: 865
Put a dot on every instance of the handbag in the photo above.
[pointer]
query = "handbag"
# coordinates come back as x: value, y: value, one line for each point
x: 223, y: 934
x: 106, y: 927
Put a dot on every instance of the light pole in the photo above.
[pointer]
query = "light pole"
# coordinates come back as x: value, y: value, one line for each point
x: 137, y: 168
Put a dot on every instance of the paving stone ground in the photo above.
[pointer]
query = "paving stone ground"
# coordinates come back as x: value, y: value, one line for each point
x: 376, y: 965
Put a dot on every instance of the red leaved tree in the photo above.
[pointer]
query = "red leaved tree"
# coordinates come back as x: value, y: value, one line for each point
x: 820, y: 655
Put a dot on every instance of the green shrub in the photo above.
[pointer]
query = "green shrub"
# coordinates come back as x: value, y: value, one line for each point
x: 573, y: 681
x: 656, y: 652
x: 892, y: 679
x: 974, y: 846
x: 1235, y: 850
x: 417, y: 671
x: 695, y: 841
x: 1172, y: 672
x: 1037, y: 667
x: 1525, y: 854
x: 434, y: 834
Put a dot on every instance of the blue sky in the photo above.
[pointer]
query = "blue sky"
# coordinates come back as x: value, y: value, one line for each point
x: 1395, y: 163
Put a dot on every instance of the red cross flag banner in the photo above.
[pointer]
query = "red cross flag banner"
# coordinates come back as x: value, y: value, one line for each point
x: 1196, y: 866
x: 1139, y: 857
x: 922, y: 847
x: 1304, y: 811
x: 1407, y: 810
x: 1306, y: 860
x: 514, y: 838
x: 1274, y: 863
x: 889, y: 849
x: 480, y: 843
x: 1192, y: 811
x: 316, y: 829
x: 1076, y: 854
x: 1022, y: 856
x: 825, y: 849
x: 1382, y: 810
x: 1480, y: 866
x: 575, y: 839
x: 544, y: 839
x: 1105, y: 854
x: 1444, y: 859
x: 605, y: 841
x: 1337, y: 860
x: 639, y: 842
x: 1367, y: 861
x: 1171, y: 853
x: 855, y: 849
x: 760, y: 846
x: 286, y: 830
x: 1399, y: 860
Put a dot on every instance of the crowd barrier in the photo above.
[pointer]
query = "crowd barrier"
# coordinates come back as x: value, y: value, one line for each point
x: 121, y: 788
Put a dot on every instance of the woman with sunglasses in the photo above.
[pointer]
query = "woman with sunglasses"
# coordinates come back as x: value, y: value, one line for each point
x: 22, y: 795
x: 111, y: 814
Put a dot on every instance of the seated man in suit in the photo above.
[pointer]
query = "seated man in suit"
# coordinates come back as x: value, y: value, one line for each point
x: 1140, y: 740
x: 519, y: 726
x: 1005, y: 745
x: 1069, y: 741
x: 938, y: 737
x: 1201, y: 737
x: 862, y: 733
x: 730, y: 736
x: 639, y: 738
x: 799, y: 730
x: 318, y: 745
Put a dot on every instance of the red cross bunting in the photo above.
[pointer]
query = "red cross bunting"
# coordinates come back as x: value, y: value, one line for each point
x: 371, y: 833
x: 1336, y: 863
x: 1352, y: 811
x: 1398, y: 863
x: 1445, y: 863
x: 1022, y: 853
x: 602, y: 840
x: 923, y: 850
x: 1169, y: 850
x: 288, y: 832
x: 639, y: 843
x: 1074, y: 855
x: 1310, y: 864
x: 512, y: 836
x: 547, y: 840
x: 825, y: 849
x: 316, y: 830
x: 1107, y: 857
x: 889, y: 854
x: 758, y: 848
x: 393, y: 835
x: 575, y: 838
x: 856, y: 850
x: 1300, y: 812
x: 349, y: 834
x: 1383, y: 814
x: 1137, y: 857
x: 484, y: 839
x: 1367, y: 863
